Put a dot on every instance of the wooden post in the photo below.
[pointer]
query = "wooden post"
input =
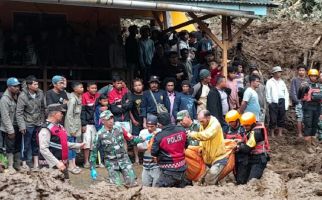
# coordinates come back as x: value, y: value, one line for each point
x: 166, y: 19
x: 187, y: 23
x: 225, y: 42
x: 206, y: 29
x: 156, y: 16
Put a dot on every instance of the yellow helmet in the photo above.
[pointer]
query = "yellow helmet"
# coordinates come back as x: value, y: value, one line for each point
x: 232, y: 116
x: 313, y: 72
x: 248, y: 118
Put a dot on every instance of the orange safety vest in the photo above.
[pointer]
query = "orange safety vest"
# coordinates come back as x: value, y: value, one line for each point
x: 263, y: 146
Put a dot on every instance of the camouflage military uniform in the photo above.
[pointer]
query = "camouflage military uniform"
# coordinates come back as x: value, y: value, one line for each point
x: 194, y: 127
x: 117, y: 161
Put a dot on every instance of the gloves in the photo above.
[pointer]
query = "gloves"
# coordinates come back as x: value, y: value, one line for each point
x: 93, y: 173
x: 136, y: 140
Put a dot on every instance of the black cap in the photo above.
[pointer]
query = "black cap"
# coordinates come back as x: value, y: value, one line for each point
x: 152, y: 119
x: 154, y: 79
x: 164, y: 118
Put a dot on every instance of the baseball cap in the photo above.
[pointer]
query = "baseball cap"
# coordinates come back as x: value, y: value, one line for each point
x: 204, y: 73
x: 164, y: 118
x: 56, y: 107
x: 56, y: 79
x: 154, y: 79
x: 182, y: 114
x: 12, y: 81
x: 152, y: 119
x: 107, y: 114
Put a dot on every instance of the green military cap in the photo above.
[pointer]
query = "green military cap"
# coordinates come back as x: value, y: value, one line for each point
x: 106, y: 115
x: 182, y: 114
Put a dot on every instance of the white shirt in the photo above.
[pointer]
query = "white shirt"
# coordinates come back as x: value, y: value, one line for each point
x: 275, y: 90
x: 224, y: 102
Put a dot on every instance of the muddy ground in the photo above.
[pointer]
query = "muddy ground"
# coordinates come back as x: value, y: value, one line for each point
x: 294, y: 172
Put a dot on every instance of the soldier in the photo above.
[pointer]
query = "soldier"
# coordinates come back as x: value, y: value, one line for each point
x: 110, y: 139
x: 184, y: 119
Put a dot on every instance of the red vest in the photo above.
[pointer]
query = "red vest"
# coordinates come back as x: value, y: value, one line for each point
x: 58, y: 145
x: 263, y: 146
x: 239, y: 134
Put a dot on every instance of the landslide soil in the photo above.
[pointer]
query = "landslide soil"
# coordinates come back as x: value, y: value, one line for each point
x: 294, y: 172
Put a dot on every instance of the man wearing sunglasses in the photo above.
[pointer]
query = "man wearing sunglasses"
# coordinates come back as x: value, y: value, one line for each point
x: 9, y: 126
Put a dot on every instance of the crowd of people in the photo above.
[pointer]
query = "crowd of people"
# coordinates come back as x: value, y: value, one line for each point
x: 187, y: 103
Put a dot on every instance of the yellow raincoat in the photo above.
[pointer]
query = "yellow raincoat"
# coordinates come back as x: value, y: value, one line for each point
x: 211, y: 141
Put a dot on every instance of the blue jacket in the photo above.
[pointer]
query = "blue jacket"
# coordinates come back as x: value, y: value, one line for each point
x: 97, y: 113
x: 148, y: 105
x: 185, y: 102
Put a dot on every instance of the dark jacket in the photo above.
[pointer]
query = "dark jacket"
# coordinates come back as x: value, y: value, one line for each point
x: 168, y: 104
x: 169, y: 146
x: 295, y: 86
x: 88, y: 108
x: 214, y: 104
x: 185, y: 102
x: 122, y: 113
x: 148, y: 105
x: 197, y: 90
x: 30, y: 111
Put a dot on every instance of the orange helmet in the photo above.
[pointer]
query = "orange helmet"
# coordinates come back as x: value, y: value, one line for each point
x: 248, y: 118
x: 313, y: 72
x: 232, y: 116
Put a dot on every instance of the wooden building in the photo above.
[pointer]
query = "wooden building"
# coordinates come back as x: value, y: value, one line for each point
x: 87, y: 16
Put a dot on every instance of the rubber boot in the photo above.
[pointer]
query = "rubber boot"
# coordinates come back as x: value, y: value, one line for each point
x: 11, y: 170
x: 17, y: 161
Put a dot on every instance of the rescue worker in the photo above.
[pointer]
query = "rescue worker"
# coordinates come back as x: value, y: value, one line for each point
x: 237, y: 133
x: 310, y: 94
x: 53, y: 144
x: 169, y: 146
x: 185, y: 120
x: 255, y: 145
x: 111, y: 139
x: 211, y: 141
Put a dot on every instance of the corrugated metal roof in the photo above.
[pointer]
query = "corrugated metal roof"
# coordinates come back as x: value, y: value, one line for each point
x: 242, y: 2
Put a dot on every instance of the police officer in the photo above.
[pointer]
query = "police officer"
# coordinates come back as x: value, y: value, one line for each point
x: 152, y: 99
x: 310, y: 94
x: 110, y: 138
x: 169, y: 147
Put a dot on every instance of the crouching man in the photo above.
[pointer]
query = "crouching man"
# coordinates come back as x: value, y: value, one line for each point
x: 111, y: 139
x: 212, y: 145
x: 169, y: 146
x: 256, y: 146
x: 53, y: 144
